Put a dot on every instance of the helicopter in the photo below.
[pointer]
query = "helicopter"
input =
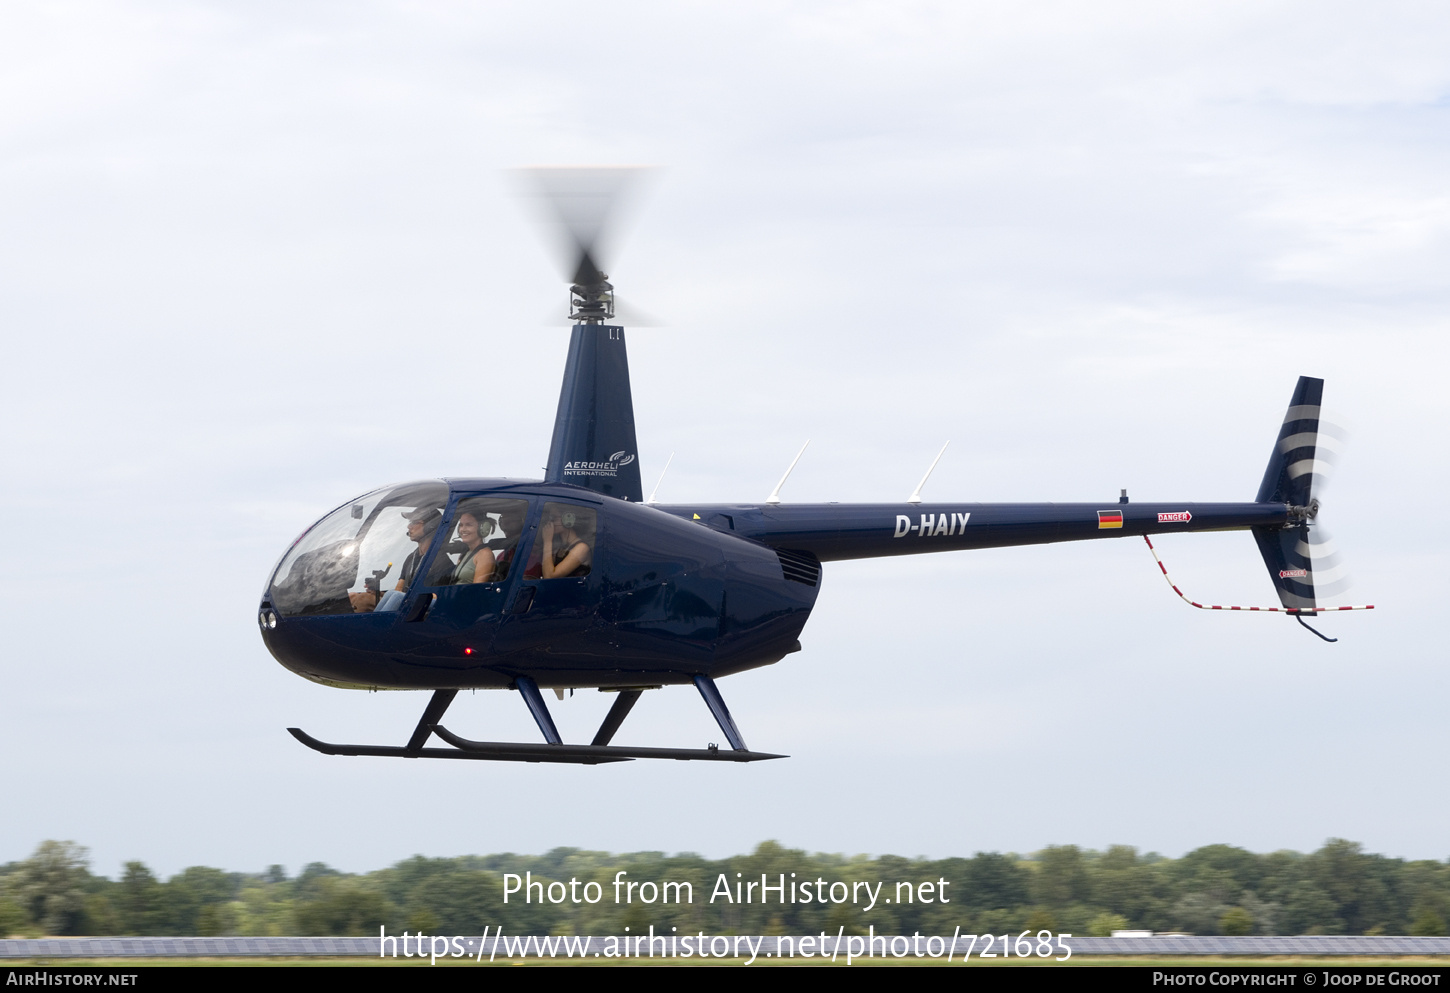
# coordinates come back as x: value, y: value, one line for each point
x: 576, y: 581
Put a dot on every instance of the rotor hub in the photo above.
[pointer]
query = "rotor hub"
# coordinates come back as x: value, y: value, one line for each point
x: 591, y: 302
x: 1304, y: 514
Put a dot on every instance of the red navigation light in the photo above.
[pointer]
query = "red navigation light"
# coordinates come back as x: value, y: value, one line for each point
x: 468, y: 651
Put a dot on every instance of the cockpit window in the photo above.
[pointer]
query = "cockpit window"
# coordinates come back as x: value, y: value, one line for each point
x: 351, y: 560
x: 484, y: 537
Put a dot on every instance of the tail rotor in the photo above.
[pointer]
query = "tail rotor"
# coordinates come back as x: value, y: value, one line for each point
x: 1303, y: 560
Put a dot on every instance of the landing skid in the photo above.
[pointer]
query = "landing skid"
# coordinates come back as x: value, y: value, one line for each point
x: 554, y: 749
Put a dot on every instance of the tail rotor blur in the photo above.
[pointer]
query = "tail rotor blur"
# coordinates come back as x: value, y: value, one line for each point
x: 1328, y: 571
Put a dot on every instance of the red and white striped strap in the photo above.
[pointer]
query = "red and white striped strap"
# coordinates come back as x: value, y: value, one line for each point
x: 1273, y: 610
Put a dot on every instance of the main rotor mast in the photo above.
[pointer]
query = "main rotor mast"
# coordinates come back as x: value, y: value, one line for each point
x: 591, y: 297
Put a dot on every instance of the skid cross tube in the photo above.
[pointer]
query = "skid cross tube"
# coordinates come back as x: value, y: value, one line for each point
x: 716, y: 703
x: 623, y: 703
x: 529, y: 690
x: 432, y: 714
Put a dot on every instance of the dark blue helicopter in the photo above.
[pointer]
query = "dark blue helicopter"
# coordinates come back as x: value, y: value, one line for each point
x: 574, y: 581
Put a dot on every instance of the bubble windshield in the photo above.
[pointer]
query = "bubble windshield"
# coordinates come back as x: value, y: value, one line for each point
x: 348, y: 562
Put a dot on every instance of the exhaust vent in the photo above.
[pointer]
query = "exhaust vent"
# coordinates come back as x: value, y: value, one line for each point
x: 799, y: 567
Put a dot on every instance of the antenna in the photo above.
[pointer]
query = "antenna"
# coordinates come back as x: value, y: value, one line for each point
x: 661, y: 479
x: 774, y: 497
x: 916, y: 493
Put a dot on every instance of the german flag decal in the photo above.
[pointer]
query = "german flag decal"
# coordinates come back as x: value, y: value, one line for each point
x: 1110, y: 519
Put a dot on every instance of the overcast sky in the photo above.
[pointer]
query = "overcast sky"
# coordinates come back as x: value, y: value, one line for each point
x: 258, y: 259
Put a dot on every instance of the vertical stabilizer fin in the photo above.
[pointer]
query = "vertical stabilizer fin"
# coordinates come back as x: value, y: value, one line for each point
x: 594, y: 444
x: 1290, y: 567
x: 1289, y: 478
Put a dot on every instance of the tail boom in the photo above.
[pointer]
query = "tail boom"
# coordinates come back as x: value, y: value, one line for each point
x: 835, y: 532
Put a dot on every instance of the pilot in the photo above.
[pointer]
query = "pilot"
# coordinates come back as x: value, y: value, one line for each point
x: 422, y: 526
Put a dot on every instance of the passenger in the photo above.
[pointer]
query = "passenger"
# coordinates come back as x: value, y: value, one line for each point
x: 567, y: 553
x: 477, y: 565
x: 511, y: 520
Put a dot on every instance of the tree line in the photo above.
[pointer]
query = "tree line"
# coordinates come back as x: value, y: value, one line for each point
x: 1218, y: 889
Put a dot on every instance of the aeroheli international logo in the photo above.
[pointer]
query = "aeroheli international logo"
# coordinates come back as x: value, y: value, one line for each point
x: 610, y: 467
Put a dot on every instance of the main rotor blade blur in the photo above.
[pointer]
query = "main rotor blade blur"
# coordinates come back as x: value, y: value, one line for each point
x: 583, y: 205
